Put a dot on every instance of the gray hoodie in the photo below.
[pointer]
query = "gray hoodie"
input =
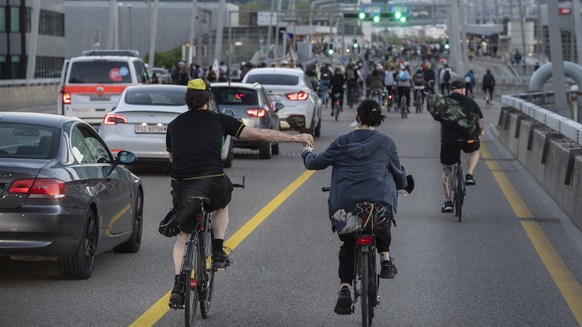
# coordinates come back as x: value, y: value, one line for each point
x: 366, y: 167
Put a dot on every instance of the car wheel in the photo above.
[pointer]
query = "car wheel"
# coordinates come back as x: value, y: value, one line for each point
x: 81, y: 264
x: 275, y: 148
x: 265, y: 151
x: 317, y: 132
x: 133, y: 244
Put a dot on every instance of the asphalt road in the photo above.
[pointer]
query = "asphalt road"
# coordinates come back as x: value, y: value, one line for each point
x: 485, y: 271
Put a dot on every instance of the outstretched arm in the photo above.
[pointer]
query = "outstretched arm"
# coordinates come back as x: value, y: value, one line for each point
x: 273, y: 136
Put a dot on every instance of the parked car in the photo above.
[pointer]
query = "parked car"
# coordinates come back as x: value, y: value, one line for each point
x: 291, y: 87
x: 162, y: 74
x: 251, y: 104
x: 62, y: 193
x: 139, y: 122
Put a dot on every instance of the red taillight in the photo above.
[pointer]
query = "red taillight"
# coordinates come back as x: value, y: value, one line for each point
x: 66, y: 98
x: 258, y: 112
x: 297, y: 96
x: 365, y: 240
x: 41, y: 188
x: 114, y: 119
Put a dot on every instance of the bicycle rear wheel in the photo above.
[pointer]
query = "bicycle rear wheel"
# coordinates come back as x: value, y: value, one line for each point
x: 208, y: 274
x: 460, y: 186
x: 365, y: 275
x: 192, y: 286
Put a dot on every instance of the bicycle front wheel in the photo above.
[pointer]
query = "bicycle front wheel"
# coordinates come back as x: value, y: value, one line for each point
x: 364, y: 265
x: 192, y: 286
x: 460, y: 186
x: 207, y: 272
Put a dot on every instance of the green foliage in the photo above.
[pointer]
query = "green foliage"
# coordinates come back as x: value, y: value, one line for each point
x: 166, y: 59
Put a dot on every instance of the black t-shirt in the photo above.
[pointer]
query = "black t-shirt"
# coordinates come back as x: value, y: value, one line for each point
x: 195, y: 140
x: 448, y: 135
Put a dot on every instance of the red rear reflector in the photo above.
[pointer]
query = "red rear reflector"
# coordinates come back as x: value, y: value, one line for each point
x: 365, y: 240
x: 259, y: 112
x: 297, y: 96
x: 42, y: 188
x: 114, y: 119
x: 67, y: 98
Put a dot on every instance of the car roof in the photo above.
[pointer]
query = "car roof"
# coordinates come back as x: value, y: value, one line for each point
x: 237, y: 84
x: 146, y: 87
x: 50, y: 120
x: 276, y: 70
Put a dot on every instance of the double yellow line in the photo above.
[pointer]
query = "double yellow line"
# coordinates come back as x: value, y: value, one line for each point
x: 160, y: 308
x: 562, y: 276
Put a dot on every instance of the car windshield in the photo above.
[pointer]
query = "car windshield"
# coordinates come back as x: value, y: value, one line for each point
x: 99, y: 72
x: 155, y: 97
x: 235, y: 96
x: 273, y: 79
x: 27, y: 141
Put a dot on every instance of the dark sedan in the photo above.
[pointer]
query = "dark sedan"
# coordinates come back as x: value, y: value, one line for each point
x: 63, y: 195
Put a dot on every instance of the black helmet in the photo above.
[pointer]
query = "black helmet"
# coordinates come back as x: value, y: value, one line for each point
x: 457, y: 85
x: 169, y: 225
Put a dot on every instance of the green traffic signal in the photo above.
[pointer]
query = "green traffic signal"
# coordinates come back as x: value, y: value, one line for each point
x: 398, y: 15
x: 362, y: 15
x: 376, y: 19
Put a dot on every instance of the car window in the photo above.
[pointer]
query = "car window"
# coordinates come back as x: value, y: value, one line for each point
x: 235, y: 96
x: 28, y: 141
x: 141, y: 72
x: 99, y: 72
x: 155, y: 96
x: 273, y: 79
x: 87, y: 148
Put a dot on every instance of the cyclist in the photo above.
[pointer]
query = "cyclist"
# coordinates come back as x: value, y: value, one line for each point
x: 403, y: 83
x: 351, y: 78
x: 389, y: 82
x: 325, y: 82
x: 337, y: 87
x: 450, y: 150
x: 193, y: 141
x: 376, y: 87
x: 366, y: 167
x: 429, y: 78
x: 418, y: 81
x: 489, y: 84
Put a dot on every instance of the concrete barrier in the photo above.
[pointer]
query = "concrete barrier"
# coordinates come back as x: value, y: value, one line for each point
x: 554, y: 160
x: 29, y: 94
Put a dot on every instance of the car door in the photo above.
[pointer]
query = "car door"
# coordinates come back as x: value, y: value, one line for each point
x: 270, y: 106
x: 107, y: 186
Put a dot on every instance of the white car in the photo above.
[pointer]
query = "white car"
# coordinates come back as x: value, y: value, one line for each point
x: 292, y: 88
x: 139, y: 122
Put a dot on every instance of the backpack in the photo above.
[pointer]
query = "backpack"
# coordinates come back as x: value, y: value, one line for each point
x: 351, y: 74
x: 467, y: 79
x: 488, y: 80
x: 447, y: 76
x: 404, y: 76
x: 447, y: 110
x: 325, y: 74
x: 418, y: 79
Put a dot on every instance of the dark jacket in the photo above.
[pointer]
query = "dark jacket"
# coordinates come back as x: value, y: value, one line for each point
x: 366, y: 167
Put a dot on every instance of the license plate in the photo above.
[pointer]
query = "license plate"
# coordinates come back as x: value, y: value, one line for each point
x: 275, y: 97
x: 151, y: 129
x: 102, y: 97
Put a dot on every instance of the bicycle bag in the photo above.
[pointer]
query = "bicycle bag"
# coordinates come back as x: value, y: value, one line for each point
x: 361, y: 218
x: 169, y: 225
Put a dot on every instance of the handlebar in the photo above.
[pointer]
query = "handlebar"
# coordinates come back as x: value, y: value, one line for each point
x: 241, y: 185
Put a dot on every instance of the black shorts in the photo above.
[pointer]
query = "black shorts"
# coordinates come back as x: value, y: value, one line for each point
x: 217, y: 189
x: 450, y: 152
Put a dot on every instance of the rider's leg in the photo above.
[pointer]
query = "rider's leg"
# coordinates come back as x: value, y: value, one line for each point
x: 178, y: 252
x: 220, y: 222
x: 447, y: 178
x: 472, y: 162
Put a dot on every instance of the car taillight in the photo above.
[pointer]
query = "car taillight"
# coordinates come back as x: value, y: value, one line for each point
x: 258, y: 112
x: 297, y: 96
x: 41, y: 188
x: 365, y: 240
x: 114, y: 119
x: 66, y: 98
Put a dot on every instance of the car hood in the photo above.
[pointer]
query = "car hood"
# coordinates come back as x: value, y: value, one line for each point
x: 11, y: 170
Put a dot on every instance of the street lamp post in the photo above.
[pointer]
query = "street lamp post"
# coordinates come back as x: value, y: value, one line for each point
x: 129, y: 21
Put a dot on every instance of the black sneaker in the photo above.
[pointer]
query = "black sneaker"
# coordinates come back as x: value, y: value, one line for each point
x: 469, y: 180
x: 447, y: 206
x: 220, y: 260
x: 344, y: 302
x: 177, y: 296
x: 388, y: 269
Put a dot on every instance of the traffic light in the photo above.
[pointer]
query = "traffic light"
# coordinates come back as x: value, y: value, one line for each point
x: 400, y: 16
x: 330, y: 49
x: 447, y: 46
x: 363, y: 16
x: 355, y: 44
x: 376, y: 18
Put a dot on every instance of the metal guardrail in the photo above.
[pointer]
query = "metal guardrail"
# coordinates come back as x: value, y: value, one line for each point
x: 550, y: 119
x: 25, y: 82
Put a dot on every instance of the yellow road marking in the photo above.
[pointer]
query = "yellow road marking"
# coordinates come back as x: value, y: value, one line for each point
x: 160, y: 308
x: 562, y: 276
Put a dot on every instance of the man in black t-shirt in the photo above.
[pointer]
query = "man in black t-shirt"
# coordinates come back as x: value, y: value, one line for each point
x: 450, y: 148
x: 194, y: 142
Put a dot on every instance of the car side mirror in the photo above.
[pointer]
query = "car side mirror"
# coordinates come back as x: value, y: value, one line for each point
x: 125, y: 157
x: 228, y: 112
x: 279, y: 106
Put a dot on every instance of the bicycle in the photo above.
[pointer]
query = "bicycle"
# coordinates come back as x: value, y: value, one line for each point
x: 458, y: 187
x: 487, y: 101
x: 366, y: 279
x: 324, y: 93
x: 336, y: 105
x: 403, y: 108
x: 418, y: 98
x: 197, y: 270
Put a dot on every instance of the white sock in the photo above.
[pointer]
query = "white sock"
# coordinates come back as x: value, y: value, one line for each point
x: 384, y: 256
